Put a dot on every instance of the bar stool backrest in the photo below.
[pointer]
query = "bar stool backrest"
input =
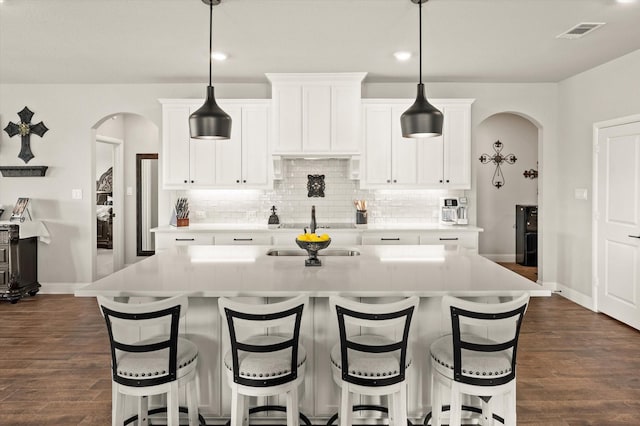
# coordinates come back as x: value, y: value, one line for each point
x: 499, y: 322
x: 267, y: 316
x: 373, y: 316
x: 125, y: 320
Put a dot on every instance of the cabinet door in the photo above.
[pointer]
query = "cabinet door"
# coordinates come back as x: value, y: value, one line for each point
x: 175, y: 145
x: 404, y: 152
x: 377, y: 144
x: 255, y: 145
x: 345, y: 118
x: 201, y: 160
x: 431, y: 159
x: 457, y: 146
x: 228, y: 153
x: 316, y: 118
x: 287, y: 104
x: 390, y: 238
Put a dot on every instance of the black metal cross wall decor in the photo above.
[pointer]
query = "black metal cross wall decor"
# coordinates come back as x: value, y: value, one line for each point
x: 498, y: 159
x: 25, y: 129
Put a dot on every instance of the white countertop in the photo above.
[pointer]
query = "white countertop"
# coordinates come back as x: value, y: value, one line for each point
x: 248, y: 227
x: 213, y: 271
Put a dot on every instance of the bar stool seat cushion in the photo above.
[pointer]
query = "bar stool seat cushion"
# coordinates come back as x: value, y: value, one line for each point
x: 474, y: 364
x: 370, y: 364
x: 268, y: 364
x: 155, y: 364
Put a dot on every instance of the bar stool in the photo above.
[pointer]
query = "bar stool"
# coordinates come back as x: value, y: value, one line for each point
x: 372, y: 364
x: 266, y: 364
x: 156, y: 364
x: 477, y: 359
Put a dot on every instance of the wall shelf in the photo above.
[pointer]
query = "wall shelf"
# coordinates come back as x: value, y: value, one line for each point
x: 23, y: 171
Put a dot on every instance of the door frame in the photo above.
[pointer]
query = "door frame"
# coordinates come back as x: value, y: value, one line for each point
x: 597, y: 127
x: 118, y: 203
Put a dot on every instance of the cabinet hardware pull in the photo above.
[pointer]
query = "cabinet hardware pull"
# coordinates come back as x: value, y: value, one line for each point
x: 634, y: 236
x: 389, y: 239
x: 449, y: 239
x: 244, y: 181
x: 395, y: 181
x: 243, y: 239
x: 388, y: 180
x: 185, y: 239
x: 440, y: 180
x: 237, y: 180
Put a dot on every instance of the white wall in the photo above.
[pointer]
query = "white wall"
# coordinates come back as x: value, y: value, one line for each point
x: 71, y: 111
x: 496, y: 207
x: 609, y: 91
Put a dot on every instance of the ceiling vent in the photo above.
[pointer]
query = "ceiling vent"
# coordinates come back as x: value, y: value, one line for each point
x: 581, y: 30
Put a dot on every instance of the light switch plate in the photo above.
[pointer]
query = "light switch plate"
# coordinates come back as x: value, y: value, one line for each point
x: 580, y: 193
x: 129, y: 190
x: 76, y: 194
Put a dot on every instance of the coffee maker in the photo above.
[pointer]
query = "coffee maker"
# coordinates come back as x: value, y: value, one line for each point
x: 453, y: 211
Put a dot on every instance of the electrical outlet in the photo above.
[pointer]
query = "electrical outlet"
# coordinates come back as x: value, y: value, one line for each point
x: 129, y: 190
x: 200, y: 214
x: 580, y: 193
x: 76, y: 194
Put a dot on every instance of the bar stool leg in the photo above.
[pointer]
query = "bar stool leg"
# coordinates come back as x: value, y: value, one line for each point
x: 392, y: 404
x: 238, y: 404
x: 456, y: 406
x: 172, y: 405
x: 292, y: 407
x: 510, y: 409
x: 192, y: 403
x: 436, y: 401
x: 346, y: 406
x: 143, y: 411
x: 117, y: 406
x: 400, y: 406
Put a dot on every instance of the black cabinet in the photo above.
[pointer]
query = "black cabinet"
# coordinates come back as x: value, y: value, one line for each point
x: 527, y: 235
x: 18, y: 264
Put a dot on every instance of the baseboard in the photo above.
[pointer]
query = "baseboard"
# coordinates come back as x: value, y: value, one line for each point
x: 505, y: 258
x: 576, y: 297
x: 60, y: 288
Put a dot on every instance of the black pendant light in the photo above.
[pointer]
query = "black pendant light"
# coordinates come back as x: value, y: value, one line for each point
x: 421, y: 120
x: 210, y: 121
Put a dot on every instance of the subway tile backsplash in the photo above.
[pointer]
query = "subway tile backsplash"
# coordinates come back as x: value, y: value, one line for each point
x: 289, y: 195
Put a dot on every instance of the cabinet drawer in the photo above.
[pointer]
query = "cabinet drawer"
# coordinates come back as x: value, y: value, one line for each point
x: 390, y: 239
x: 243, y: 239
x: 468, y: 240
x: 166, y: 240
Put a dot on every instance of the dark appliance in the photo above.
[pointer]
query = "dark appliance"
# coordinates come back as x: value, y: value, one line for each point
x: 18, y: 264
x: 527, y: 235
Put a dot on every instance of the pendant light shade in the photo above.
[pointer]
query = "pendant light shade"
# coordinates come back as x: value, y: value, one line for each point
x: 421, y: 120
x: 210, y: 121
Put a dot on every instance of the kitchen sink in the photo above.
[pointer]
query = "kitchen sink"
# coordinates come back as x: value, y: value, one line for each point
x: 329, y: 252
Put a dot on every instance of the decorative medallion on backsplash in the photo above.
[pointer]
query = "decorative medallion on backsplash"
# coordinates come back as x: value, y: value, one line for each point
x: 315, y: 186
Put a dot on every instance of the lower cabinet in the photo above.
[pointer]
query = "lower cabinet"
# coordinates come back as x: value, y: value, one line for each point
x: 165, y: 240
x: 391, y: 238
x: 468, y: 240
x: 243, y: 239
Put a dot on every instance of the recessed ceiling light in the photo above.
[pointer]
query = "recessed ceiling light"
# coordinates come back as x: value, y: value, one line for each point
x: 626, y: 1
x: 218, y: 56
x: 402, y: 56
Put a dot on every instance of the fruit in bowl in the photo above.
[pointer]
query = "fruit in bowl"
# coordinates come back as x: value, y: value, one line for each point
x: 312, y: 243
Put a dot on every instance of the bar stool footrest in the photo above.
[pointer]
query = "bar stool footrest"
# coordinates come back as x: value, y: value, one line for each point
x: 184, y: 410
x: 464, y: 408
x: 281, y: 408
x: 366, y: 408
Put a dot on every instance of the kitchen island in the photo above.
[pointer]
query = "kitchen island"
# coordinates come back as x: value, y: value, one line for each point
x: 370, y: 273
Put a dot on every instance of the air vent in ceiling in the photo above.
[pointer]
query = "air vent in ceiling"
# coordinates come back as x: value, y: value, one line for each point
x: 581, y: 30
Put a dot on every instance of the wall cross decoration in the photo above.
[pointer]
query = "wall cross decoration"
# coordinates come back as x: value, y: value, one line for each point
x: 531, y: 174
x: 498, y: 159
x: 25, y: 129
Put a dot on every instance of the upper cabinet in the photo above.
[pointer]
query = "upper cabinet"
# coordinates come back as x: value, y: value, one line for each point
x: 239, y: 162
x: 391, y: 161
x: 316, y: 113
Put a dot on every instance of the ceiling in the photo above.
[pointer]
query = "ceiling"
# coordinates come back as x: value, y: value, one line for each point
x: 166, y: 41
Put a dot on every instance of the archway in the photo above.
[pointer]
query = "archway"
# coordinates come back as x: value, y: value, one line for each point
x: 125, y: 134
x: 500, y: 190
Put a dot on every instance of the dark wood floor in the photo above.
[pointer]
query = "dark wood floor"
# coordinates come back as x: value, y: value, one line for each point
x: 530, y: 272
x: 575, y: 367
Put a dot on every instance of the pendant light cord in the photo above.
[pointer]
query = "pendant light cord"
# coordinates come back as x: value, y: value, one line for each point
x: 420, y: 36
x: 210, y: 39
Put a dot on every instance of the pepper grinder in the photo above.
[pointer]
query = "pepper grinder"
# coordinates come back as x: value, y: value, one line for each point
x: 312, y: 225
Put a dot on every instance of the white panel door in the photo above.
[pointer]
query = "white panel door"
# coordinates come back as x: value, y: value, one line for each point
x: 316, y: 118
x: 618, y: 222
x: 377, y: 141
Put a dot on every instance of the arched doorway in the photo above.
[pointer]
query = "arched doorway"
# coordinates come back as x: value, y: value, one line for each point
x: 500, y: 190
x: 120, y: 136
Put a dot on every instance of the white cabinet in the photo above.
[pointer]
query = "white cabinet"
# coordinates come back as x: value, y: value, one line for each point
x: 165, y: 240
x: 391, y: 161
x: 390, y: 238
x: 316, y: 113
x: 468, y: 240
x: 239, y: 162
x: 243, y: 238
x: 186, y: 162
x: 447, y: 158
